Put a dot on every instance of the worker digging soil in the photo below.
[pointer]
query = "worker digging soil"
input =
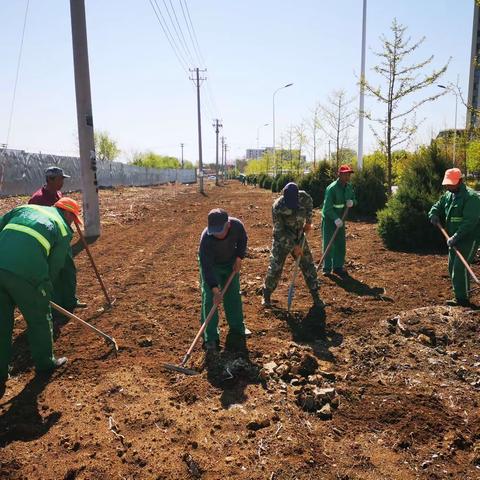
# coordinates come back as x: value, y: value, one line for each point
x: 34, y: 246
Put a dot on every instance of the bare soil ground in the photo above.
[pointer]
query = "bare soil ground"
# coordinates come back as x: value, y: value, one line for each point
x: 386, y: 385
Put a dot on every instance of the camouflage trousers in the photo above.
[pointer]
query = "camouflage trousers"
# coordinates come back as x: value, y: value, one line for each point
x: 278, y: 255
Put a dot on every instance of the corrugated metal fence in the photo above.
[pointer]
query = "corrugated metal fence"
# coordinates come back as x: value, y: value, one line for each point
x: 22, y: 173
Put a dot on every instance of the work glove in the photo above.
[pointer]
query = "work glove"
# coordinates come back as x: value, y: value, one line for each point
x: 349, y: 203
x: 435, y: 220
x: 339, y: 223
x: 452, y: 241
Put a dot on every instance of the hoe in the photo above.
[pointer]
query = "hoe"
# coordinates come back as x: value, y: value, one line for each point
x: 181, y: 367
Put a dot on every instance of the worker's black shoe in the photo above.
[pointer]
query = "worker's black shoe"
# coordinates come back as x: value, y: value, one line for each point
x: 326, y: 273
x: 59, y: 362
x: 341, y: 272
x: 266, y: 298
x: 211, y: 346
x: 458, y: 302
x: 317, y: 301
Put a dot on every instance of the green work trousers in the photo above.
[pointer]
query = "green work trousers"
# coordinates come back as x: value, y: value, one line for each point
x: 65, y: 286
x: 34, y: 305
x: 232, y: 303
x: 335, y: 258
x: 458, y: 273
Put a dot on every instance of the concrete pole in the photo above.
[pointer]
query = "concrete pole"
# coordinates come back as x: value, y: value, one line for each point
x: 88, y: 162
x: 181, y: 146
x: 361, y: 113
x: 200, y: 160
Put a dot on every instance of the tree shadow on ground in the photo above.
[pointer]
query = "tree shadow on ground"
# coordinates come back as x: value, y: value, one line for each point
x: 352, y: 285
x: 312, y: 330
x: 22, y: 421
x: 231, y: 370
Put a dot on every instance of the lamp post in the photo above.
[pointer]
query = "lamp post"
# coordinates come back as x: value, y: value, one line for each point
x: 258, y: 134
x: 455, y: 92
x: 273, y: 124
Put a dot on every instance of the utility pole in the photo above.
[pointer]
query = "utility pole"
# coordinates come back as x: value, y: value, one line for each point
x: 196, y: 80
x: 217, y: 125
x: 88, y: 162
x: 362, y: 90
x: 181, y: 146
x: 223, y: 159
x: 226, y: 167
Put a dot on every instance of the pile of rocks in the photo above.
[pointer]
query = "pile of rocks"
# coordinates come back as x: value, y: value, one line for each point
x: 311, y: 386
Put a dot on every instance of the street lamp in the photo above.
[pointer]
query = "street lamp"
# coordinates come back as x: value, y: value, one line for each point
x: 258, y: 133
x: 450, y: 89
x: 273, y: 124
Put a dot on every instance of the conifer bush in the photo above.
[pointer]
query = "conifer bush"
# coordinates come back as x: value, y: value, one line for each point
x: 370, y: 191
x: 403, y: 223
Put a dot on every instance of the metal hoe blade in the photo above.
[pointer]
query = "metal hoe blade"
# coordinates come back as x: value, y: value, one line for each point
x: 178, y: 368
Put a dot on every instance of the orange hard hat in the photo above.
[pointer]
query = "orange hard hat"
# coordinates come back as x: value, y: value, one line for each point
x: 345, y: 169
x: 70, y: 205
x: 452, y: 176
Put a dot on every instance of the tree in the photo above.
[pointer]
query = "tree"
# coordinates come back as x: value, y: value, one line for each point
x: 338, y: 118
x: 301, y: 138
x: 105, y: 147
x: 398, y: 124
x: 153, y: 160
x: 314, y: 126
x: 473, y: 156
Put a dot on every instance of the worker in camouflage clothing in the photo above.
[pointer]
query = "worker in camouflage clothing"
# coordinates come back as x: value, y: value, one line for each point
x: 292, y: 219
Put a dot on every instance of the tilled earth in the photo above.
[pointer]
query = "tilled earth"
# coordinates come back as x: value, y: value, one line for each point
x: 385, y: 385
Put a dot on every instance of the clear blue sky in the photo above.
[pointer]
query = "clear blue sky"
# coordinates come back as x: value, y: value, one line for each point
x: 143, y: 98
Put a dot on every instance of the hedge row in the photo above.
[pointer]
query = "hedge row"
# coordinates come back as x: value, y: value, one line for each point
x: 369, y: 185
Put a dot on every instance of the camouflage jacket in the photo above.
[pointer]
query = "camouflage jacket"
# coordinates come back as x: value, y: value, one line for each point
x: 287, y: 223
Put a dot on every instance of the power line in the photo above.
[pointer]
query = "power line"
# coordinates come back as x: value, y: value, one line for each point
x: 187, y: 49
x: 200, y: 61
x: 171, y: 41
x: 17, y: 74
x: 193, y: 29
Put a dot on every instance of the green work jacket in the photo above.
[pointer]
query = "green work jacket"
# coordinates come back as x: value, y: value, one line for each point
x: 336, y: 196
x: 459, y: 213
x: 34, y: 243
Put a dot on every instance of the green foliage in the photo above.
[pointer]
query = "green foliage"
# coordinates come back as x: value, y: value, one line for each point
x: 369, y: 186
x: 153, y: 160
x: 252, y: 180
x: 403, y: 224
x: 282, y: 180
x: 105, y: 147
x: 267, y: 182
x: 316, y: 182
x: 473, y: 156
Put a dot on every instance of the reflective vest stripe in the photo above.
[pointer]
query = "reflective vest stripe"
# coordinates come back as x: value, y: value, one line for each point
x: 339, y: 205
x: 33, y: 233
x: 52, y: 216
x: 456, y: 219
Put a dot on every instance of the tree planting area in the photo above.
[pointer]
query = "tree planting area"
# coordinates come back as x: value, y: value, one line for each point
x: 384, y: 385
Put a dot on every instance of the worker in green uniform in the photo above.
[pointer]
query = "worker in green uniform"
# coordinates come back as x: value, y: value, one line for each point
x: 34, y: 244
x: 459, y: 210
x: 223, y: 246
x: 338, y: 196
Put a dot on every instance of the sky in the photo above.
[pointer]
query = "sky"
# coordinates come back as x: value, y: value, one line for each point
x: 142, y: 95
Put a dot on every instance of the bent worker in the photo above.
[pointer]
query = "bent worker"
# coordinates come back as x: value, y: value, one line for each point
x: 51, y: 191
x: 67, y: 278
x: 34, y: 245
x: 338, y: 196
x: 459, y: 210
x: 292, y: 219
x: 223, y: 245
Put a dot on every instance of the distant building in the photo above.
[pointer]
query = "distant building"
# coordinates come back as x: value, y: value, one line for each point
x: 474, y: 82
x: 253, y: 153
